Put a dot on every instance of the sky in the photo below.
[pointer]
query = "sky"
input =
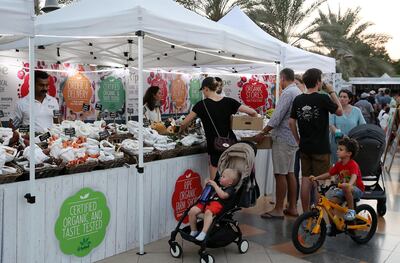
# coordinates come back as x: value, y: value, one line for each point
x: 385, y: 14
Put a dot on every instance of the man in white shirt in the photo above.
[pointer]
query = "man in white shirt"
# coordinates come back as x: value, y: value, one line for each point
x: 45, y: 106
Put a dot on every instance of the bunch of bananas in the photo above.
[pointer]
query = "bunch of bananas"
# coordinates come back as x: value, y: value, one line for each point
x: 269, y: 112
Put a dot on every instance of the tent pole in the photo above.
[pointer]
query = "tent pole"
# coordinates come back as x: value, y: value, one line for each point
x: 278, y: 80
x: 140, y: 167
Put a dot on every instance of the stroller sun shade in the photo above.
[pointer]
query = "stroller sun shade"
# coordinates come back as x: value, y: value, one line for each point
x: 240, y: 156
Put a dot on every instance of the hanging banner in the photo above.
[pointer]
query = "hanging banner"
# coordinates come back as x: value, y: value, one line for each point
x: 187, y: 191
x: 82, y: 223
x: 77, y: 91
x: 157, y: 80
x: 179, y: 94
x: 195, y: 94
x: 111, y: 94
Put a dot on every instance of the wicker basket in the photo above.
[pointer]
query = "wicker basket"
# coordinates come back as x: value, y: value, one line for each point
x: 194, y: 149
x: 133, y: 158
x: 117, y: 162
x: 9, y: 178
x: 81, y: 168
x: 119, y: 138
x: 171, y: 153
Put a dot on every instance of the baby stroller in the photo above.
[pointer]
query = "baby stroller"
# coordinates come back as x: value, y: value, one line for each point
x: 224, y: 229
x: 371, y: 139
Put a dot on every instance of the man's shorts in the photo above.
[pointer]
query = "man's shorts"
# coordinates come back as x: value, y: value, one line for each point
x: 214, y: 206
x: 339, y: 194
x: 283, y: 157
x: 314, y: 164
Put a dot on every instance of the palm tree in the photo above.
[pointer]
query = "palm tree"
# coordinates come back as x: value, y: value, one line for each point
x: 282, y: 18
x: 214, y: 9
x: 344, y: 37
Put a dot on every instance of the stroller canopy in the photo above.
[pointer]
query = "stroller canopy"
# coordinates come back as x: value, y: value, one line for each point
x: 239, y: 156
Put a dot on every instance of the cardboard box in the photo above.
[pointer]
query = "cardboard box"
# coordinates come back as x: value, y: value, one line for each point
x: 266, y: 143
x: 244, y: 122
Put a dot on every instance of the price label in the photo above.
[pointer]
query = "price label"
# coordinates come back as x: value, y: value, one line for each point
x: 98, y: 106
x: 56, y: 113
x: 69, y: 131
x: 104, y: 134
x: 146, y: 123
x: 104, y: 115
x: 130, y: 110
x: 1, y: 114
x: 85, y: 107
x: 44, y: 136
x: 131, y: 118
x: 24, y: 128
x: 113, y: 115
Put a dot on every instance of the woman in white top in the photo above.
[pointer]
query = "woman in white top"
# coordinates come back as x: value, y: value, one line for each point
x: 152, y: 103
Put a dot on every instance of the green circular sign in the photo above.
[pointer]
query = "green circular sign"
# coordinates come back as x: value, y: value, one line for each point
x: 111, y: 94
x: 82, y: 223
x: 195, y: 95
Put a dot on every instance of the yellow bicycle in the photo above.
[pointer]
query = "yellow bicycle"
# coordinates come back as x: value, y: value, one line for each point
x: 309, y: 230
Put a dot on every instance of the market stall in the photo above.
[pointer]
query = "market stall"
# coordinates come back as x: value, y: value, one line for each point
x: 120, y: 219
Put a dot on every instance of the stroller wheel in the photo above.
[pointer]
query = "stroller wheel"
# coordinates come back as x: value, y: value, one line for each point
x: 207, y: 258
x: 381, y: 207
x: 175, y: 250
x: 243, y: 246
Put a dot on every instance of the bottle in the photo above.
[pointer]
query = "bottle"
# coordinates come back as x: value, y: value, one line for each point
x: 206, y: 194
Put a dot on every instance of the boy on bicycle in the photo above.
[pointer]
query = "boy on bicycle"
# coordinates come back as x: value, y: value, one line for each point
x: 350, y: 185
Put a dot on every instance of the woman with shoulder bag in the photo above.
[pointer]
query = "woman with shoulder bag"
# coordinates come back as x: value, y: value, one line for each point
x: 215, y: 113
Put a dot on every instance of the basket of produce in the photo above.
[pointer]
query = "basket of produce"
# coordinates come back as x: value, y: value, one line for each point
x: 168, y: 154
x: 76, y: 166
x: 49, y: 168
x: 118, y: 160
x: 119, y: 137
x: 10, y: 173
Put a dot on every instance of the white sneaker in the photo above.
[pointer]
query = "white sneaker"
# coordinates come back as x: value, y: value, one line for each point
x: 201, y: 236
x: 350, y: 215
x: 194, y: 233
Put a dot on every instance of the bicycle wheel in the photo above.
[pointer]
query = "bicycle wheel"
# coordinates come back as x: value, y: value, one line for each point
x: 364, y: 235
x: 303, y: 238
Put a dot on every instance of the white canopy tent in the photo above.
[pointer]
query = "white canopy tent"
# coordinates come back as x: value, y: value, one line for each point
x: 16, y: 18
x: 134, y: 32
x: 295, y: 58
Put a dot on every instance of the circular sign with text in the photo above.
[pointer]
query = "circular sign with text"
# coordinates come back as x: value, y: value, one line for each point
x: 112, y: 94
x: 187, y: 191
x: 254, y: 94
x: 77, y: 91
x: 82, y: 223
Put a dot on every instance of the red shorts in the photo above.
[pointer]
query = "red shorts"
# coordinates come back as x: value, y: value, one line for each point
x: 214, y: 206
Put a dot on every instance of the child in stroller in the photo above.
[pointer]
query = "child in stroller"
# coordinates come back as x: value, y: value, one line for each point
x: 221, y: 196
x: 223, y: 229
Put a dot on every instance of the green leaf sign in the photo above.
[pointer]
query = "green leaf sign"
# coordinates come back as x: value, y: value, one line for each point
x: 111, y: 94
x: 82, y: 223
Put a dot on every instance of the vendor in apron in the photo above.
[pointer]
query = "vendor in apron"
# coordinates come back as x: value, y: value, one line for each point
x: 45, y: 106
x: 152, y: 103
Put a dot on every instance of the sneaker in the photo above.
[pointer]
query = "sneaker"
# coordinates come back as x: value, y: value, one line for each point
x: 194, y: 233
x: 350, y: 215
x: 201, y: 236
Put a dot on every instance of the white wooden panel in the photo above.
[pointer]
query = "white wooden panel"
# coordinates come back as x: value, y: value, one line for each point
x: 163, y: 199
x: 132, y: 211
x: 148, y: 198
x: 39, y: 210
x: 53, y: 201
x: 67, y: 190
x: 155, y: 204
x: 10, y: 208
x: 122, y: 205
x: 1, y: 224
x: 112, y: 184
x: 99, y: 183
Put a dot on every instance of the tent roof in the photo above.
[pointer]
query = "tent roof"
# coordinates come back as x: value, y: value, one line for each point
x: 16, y: 17
x: 161, y: 20
x: 297, y: 59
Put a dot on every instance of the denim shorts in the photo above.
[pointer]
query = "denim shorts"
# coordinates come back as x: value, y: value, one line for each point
x: 339, y: 194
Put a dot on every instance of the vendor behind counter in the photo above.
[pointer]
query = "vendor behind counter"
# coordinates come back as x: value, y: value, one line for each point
x: 152, y: 103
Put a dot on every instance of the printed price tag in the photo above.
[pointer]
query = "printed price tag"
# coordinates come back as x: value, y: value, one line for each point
x: 146, y: 123
x: 44, y: 136
x: 85, y: 107
x: 130, y: 118
x: 24, y: 128
x: 56, y: 113
x: 98, y: 106
x: 69, y: 131
x: 130, y: 110
x: 104, y: 134
x: 113, y: 115
x: 1, y: 114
